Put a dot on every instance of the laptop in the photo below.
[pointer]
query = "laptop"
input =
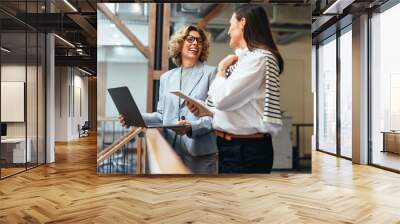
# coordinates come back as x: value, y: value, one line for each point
x: 126, y: 106
x: 3, y: 131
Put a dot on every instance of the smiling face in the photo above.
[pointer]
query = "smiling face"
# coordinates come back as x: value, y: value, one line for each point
x: 236, y: 32
x: 192, y: 46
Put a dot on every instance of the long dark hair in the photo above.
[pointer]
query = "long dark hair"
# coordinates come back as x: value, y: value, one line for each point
x: 257, y: 30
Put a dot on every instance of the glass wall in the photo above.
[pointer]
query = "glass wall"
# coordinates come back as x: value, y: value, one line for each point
x: 327, y: 95
x: 346, y: 92
x: 385, y: 89
x: 14, y: 151
x: 22, y: 90
x: 334, y: 93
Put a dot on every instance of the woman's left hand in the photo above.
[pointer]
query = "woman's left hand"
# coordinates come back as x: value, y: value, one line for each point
x: 225, y: 63
x: 187, y: 128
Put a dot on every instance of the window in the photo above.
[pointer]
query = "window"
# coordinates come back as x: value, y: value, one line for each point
x: 385, y: 87
x: 346, y: 93
x: 327, y: 96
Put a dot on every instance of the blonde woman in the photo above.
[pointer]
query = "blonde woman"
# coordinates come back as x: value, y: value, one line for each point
x: 195, y: 143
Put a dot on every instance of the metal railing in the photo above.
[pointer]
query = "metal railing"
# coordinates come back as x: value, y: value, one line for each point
x: 120, y: 149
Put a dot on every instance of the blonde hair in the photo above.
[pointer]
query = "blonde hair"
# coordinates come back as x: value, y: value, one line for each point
x: 176, y: 43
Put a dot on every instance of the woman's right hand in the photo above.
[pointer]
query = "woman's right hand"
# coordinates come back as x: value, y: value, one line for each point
x: 195, y: 111
x: 122, y: 121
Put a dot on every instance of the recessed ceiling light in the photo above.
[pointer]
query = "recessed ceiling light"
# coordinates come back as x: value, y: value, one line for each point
x: 70, y: 5
x: 5, y: 50
x: 65, y: 41
x: 84, y: 71
x: 337, y: 7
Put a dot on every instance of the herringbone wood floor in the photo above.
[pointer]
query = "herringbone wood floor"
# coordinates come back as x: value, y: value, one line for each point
x: 70, y: 191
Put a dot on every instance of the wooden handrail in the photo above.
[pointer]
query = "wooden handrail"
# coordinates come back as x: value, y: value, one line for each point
x: 117, y: 145
x: 161, y: 157
x: 158, y: 154
x: 114, y: 143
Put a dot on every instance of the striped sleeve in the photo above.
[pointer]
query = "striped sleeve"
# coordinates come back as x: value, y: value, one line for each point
x: 272, y: 109
x: 230, y: 69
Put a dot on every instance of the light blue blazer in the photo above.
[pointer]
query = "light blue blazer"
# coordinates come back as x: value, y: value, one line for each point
x: 202, y: 141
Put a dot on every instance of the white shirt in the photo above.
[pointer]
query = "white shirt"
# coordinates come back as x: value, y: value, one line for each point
x: 239, y: 99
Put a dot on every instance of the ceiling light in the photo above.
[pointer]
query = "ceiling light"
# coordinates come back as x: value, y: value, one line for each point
x: 136, y: 8
x: 84, y: 71
x: 65, y: 41
x: 337, y: 7
x: 5, y: 50
x: 70, y: 5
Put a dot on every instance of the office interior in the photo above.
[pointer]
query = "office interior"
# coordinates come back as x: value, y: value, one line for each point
x: 48, y: 81
x: 53, y: 68
x: 71, y: 52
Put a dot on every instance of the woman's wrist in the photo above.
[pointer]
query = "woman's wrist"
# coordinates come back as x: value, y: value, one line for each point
x: 221, y: 73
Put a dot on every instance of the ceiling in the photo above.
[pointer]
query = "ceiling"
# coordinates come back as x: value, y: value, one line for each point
x: 76, y: 21
x: 289, y: 23
x: 76, y: 24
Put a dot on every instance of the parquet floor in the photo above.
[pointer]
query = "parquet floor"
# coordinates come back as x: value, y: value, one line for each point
x: 70, y: 191
x: 10, y: 171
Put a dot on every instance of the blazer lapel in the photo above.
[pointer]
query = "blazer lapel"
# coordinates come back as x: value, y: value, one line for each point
x: 194, y: 79
x: 175, y: 79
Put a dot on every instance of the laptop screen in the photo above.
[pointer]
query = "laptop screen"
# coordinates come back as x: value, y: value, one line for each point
x: 3, y: 129
x: 126, y: 106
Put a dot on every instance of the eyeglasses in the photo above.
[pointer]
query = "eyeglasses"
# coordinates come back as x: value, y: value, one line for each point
x: 191, y: 39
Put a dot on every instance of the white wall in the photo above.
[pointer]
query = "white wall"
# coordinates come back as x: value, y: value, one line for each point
x: 217, y: 52
x: 132, y: 75
x: 50, y: 93
x: 12, y: 73
x: 314, y: 91
x: 71, y: 94
x: 296, y: 80
x: 61, y: 103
